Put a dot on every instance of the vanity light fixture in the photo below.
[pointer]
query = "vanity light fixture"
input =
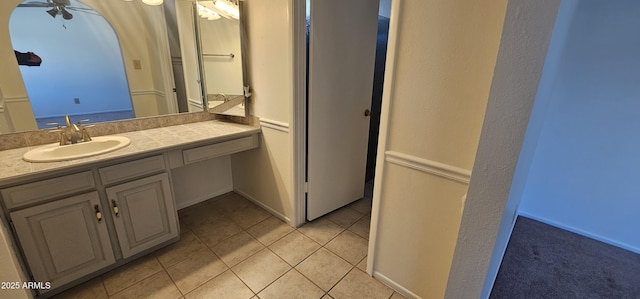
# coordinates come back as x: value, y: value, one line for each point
x: 152, y: 2
x: 228, y: 9
x: 225, y: 8
x: 207, y: 13
x: 148, y: 2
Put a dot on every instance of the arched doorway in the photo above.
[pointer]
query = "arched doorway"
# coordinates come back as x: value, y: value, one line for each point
x: 82, y: 72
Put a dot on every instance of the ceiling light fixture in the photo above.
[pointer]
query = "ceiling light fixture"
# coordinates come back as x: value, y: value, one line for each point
x: 60, y: 10
x: 66, y: 14
x: 52, y: 12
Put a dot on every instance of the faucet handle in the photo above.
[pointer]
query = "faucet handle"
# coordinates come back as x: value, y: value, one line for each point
x: 57, y: 125
x: 83, y: 130
x: 67, y: 121
x: 85, y: 133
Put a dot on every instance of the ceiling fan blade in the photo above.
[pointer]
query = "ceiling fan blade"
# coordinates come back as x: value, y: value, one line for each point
x: 83, y: 10
x: 35, y: 5
x: 60, y: 2
x: 79, y: 8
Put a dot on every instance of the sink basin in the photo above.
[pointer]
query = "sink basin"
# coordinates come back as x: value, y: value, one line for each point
x: 56, y: 152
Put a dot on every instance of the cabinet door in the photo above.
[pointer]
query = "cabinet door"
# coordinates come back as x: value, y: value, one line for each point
x: 64, y: 240
x: 144, y: 213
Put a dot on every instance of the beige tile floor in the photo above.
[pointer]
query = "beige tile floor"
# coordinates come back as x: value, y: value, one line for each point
x: 231, y: 248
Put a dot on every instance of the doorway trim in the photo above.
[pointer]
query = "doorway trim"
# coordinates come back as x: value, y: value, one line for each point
x: 385, y: 112
x: 299, y: 111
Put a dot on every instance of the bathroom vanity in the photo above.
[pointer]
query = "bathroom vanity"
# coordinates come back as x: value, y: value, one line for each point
x: 74, y: 220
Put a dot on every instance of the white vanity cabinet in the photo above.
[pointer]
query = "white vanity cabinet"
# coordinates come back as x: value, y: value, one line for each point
x: 143, y: 210
x: 72, y: 222
x: 65, y: 239
x: 144, y: 213
x: 77, y: 224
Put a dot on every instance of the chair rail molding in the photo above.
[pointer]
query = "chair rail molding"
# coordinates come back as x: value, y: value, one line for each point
x: 428, y: 166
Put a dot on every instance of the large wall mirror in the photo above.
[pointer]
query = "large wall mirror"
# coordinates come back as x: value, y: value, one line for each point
x: 111, y: 60
x: 220, y: 36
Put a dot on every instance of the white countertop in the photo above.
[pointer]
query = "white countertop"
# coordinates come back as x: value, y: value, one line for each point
x: 165, y: 138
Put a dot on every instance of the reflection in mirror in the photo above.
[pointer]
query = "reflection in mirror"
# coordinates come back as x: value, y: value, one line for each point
x: 82, y: 70
x: 146, y: 83
x: 157, y: 46
x: 219, y: 42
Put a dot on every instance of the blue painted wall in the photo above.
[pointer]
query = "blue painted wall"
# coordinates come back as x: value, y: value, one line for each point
x: 81, y: 58
x: 584, y: 169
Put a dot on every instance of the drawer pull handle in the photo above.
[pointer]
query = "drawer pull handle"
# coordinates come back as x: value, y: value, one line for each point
x: 116, y: 210
x: 98, y: 213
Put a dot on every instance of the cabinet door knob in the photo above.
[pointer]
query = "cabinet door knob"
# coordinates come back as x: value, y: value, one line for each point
x: 116, y: 210
x: 367, y: 112
x: 98, y: 213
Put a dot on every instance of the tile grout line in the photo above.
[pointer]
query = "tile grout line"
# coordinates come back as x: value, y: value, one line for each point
x: 221, y: 260
x: 227, y: 213
x: 145, y: 278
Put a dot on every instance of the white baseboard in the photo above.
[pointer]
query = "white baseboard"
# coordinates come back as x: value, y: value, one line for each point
x: 398, y: 288
x: 581, y: 232
x: 262, y: 205
x: 182, y: 205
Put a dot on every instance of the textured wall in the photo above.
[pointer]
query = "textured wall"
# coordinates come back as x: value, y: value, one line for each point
x: 525, y: 39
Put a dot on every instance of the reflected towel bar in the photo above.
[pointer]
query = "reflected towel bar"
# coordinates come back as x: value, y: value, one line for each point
x: 219, y: 55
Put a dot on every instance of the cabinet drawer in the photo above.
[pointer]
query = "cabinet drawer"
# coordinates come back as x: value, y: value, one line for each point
x: 131, y: 170
x: 219, y: 149
x: 35, y: 192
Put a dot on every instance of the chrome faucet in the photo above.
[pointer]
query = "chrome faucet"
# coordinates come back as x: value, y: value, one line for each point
x: 71, y: 133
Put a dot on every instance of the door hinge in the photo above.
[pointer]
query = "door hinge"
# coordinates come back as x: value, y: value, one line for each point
x: 306, y: 187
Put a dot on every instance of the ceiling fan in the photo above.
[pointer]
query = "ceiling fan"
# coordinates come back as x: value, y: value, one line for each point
x: 58, y: 7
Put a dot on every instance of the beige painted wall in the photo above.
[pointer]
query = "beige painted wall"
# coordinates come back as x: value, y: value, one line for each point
x: 197, y: 182
x: 11, y: 270
x: 265, y: 174
x: 445, y: 57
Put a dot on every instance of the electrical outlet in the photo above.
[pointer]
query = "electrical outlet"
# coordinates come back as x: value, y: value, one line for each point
x: 76, y: 100
x: 137, y: 64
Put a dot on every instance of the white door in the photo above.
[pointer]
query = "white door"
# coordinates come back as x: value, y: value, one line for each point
x: 342, y: 47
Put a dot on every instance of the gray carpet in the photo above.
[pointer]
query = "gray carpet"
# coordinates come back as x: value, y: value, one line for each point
x: 543, y: 261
